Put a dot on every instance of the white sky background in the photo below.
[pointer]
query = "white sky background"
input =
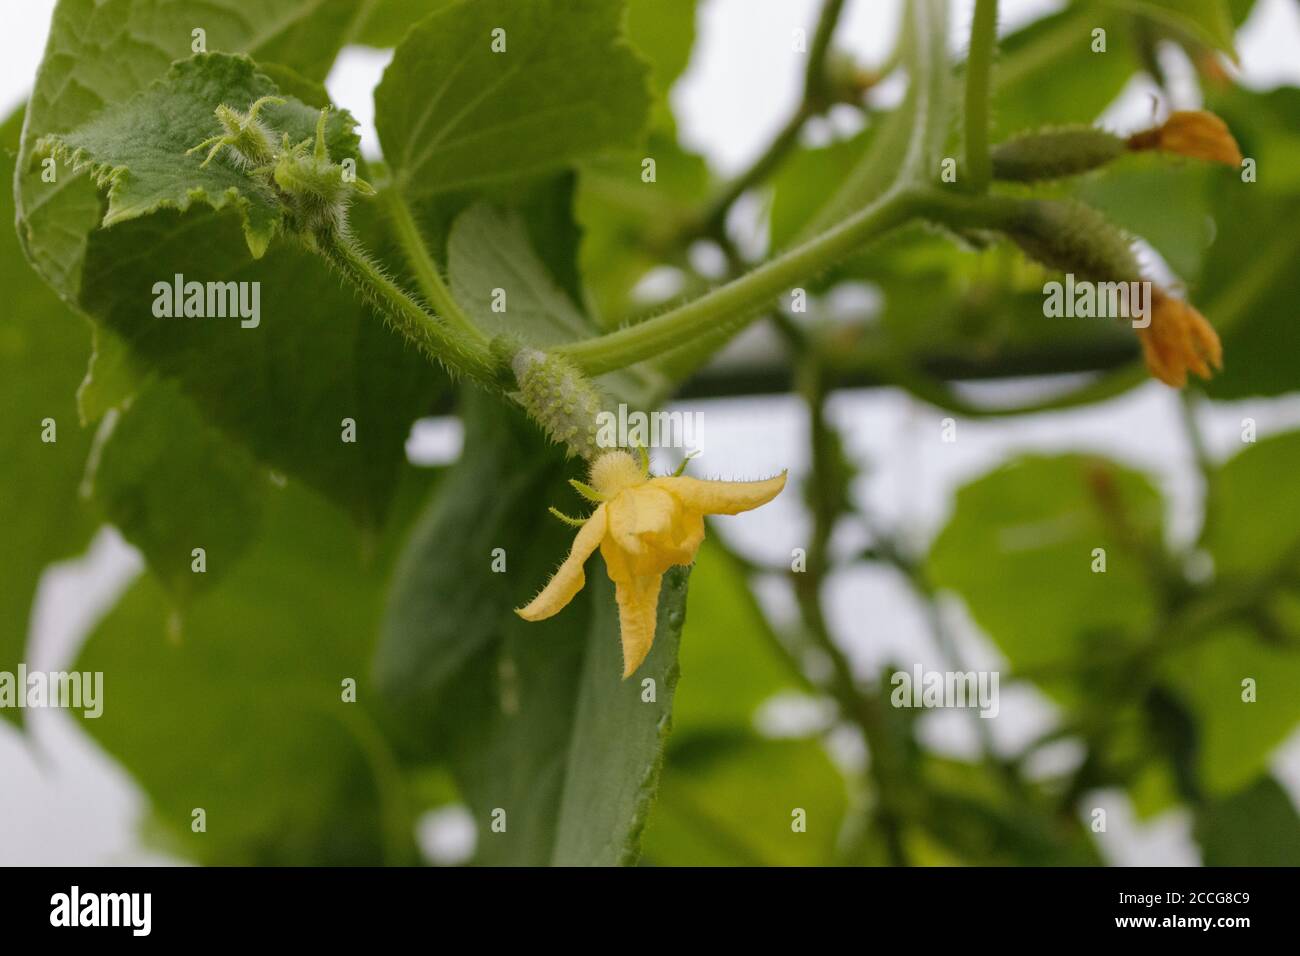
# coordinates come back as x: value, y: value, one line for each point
x: 63, y: 801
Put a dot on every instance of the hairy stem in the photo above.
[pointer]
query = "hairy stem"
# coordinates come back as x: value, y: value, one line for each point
x: 435, y: 338
x: 979, y: 65
x: 432, y: 286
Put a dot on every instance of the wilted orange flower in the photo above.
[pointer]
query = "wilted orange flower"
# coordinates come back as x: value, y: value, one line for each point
x: 643, y: 527
x: 1178, y: 340
x: 1195, y: 133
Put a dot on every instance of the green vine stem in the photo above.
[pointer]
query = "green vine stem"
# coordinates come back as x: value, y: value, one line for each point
x: 732, y: 305
x: 432, y: 285
x: 435, y: 338
x: 979, y: 65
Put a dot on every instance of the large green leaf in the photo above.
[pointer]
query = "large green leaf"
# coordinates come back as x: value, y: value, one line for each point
x: 43, y: 350
x: 102, y: 52
x: 238, y: 707
x: 319, y: 356
x: 1019, y: 549
x: 662, y: 31
x: 172, y: 484
x: 452, y: 113
x: 535, y: 716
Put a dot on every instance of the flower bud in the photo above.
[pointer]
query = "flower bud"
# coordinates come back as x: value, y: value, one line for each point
x: 1054, y: 153
x: 1179, y: 340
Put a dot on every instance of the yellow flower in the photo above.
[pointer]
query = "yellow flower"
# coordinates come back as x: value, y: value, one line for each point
x: 1195, y: 133
x: 1178, y: 340
x: 643, y: 527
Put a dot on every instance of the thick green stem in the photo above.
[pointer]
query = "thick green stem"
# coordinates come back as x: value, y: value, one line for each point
x: 979, y: 65
x: 425, y: 331
x: 432, y: 286
x: 734, y: 304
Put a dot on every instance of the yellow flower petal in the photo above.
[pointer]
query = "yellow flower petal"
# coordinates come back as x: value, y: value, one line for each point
x: 569, y: 577
x: 1195, y: 133
x: 1179, y: 340
x: 638, y: 607
x: 640, y: 511
x: 721, y: 497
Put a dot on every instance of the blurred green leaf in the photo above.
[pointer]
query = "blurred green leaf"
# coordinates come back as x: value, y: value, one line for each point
x: 1047, y: 73
x: 1235, y: 737
x: 1254, y: 539
x: 453, y: 113
x: 237, y: 707
x: 628, y: 223
x: 43, y: 349
x: 1135, y: 195
x: 728, y: 793
x: 1257, y: 826
x: 1019, y: 549
x: 1255, y: 526
x: 1249, y: 287
x: 739, y: 809
x: 384, y: 23
x: 171, y: 483
x: 1209, y: 21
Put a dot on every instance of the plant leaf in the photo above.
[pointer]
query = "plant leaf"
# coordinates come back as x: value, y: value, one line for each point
x: 489, y: 253
x: 1250, y: 544
x: 451, y: 113
x: 285, y: 383
x: 171, y: 483
x: 242, y: 712
x: 1208, y: 21
x: 43, y: 349
x: 1019, y: 549
x: 102, y: 52
x: 139, y: 149
x: 1257, y: 826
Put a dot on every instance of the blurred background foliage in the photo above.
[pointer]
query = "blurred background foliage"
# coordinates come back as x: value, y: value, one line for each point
x: 227, y: 696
